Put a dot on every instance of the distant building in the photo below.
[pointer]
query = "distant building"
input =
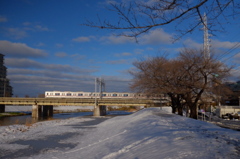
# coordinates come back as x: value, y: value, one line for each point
x: 5, y: 88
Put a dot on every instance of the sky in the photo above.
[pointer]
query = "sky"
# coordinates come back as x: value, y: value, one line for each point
x: 47, y: 49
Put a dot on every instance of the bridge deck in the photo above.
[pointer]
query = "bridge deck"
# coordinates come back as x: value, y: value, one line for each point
x: 74, y: 101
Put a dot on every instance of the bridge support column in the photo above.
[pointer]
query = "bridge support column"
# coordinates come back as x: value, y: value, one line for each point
x: 48, y: 111
x: 36, y: 111
x: 2, y: 108
x: 103, y: 110
x: 100, y: 110
x: 96, y: 110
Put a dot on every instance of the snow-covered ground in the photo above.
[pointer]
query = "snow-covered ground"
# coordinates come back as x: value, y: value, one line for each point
x: 149, y: 133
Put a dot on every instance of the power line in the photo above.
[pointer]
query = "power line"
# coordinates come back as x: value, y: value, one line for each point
x: 234, y: 47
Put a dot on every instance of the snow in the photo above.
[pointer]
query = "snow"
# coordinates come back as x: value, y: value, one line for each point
x: 148, y: 133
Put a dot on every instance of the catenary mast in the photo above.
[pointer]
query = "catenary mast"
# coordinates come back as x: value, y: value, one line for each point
x: 206, y: 45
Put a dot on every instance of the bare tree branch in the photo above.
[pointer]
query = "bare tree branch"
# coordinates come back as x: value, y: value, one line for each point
x: 141, y: 16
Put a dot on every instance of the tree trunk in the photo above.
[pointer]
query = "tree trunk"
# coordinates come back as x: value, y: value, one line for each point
x: 173, y: 101
x: 179, y: 105
x: 173, y: 109
x: 180, y: 111
x: 193, y: 113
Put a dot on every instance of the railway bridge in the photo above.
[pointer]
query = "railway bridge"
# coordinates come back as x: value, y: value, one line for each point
x: 44, y: 106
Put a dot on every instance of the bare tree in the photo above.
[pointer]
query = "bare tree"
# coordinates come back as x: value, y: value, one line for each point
x: 158, y: 75
x: 184, y: 79
x: 41, y: 95
x: 198, y: 75
x: 140, y: 16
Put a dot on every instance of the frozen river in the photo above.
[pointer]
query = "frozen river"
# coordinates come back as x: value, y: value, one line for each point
x: 69, y: 112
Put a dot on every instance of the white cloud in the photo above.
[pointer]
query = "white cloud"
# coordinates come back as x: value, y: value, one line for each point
x: 61, y: 54
x: 27, y: 23
x: 20, y: 50
x: 58, y: 77
x: 37, y: 82
x: 3, y: 19
x: 23, y: 63
x: 34, y: 27
x: 16, y: 33
x: 155, y: 37
x: 223, y: 44
x: 59, y: 45
x: 41, y: 28
x: 235, y: 73
x: 22, y: 32
x: 138, y: 51
x: 189, y: 43
x: 78, y: 56
x: 112, y: 39
x: 83, y: 39
x: 40, y: 44
x: 115, y: 62
x: 123, y: 54
x: 237, y: 58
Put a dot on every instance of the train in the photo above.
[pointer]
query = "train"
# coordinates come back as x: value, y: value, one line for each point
x: 158, y: 98
x: 69, y: 94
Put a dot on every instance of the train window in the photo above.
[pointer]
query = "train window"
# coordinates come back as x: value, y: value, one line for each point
x: 69, y: 94
x: 51, y: 94
x: 80, y: 94
x: 74, y: 94
x: 114, y: 95
x: 57, y: 94
x: 125, y: 95
x: 104, y: 95
x: 63, y: 94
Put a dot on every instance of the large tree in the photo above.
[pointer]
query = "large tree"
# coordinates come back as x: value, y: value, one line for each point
x: 184, y: 79
x: 137, y: 17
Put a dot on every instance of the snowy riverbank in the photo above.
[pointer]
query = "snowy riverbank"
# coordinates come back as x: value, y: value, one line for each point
x: 149, y: 133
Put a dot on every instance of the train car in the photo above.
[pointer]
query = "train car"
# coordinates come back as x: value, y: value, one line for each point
x: 68, y: 94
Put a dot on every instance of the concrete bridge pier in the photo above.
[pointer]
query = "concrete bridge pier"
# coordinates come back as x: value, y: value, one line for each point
x: 2, y: 108
x: 42, y: 111
x: 47, y: 111
x: 99, y: 110
x: 36, y: 111
x: 103, y: 110
x: 96, y: 110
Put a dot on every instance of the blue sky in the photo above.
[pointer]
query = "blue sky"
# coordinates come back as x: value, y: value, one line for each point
x: 46, y: 48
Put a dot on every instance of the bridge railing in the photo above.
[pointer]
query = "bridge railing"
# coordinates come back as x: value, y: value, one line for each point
x: 74, y: 101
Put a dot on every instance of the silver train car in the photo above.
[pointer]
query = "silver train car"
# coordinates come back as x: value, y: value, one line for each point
x: 68, y: 94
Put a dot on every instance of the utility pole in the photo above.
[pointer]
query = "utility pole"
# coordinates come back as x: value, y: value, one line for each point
x: 99, y: 82
x: 206, y: 45
x: 98, y: 109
